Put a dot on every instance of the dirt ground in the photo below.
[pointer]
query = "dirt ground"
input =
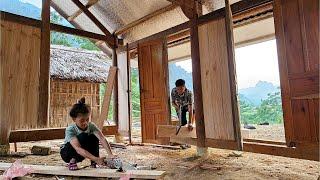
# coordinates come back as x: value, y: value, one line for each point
x: 182, y: 164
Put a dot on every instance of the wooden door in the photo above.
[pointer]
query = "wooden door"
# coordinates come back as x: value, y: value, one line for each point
x: 297, y: 34
x: 153, y: 74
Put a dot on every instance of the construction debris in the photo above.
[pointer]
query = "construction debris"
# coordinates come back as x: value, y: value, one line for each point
x: 40, y: 150
x: 167, y: 147
x: 118, y: 145
x: 235, y: 154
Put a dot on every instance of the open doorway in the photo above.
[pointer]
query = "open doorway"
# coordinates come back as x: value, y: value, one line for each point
x: 135, y: 102
x: 259, y: 92
x: 179, y: 69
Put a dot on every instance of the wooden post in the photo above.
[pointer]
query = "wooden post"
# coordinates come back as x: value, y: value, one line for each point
x: 129, y: 91
x: 115, y: 89
x: 197, y: 86
x: 232, y: 75
x: 44, y: 66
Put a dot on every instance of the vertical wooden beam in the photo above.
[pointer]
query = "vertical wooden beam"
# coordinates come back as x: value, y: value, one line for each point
x: 232, y: 75
x: 197, y: 84
x: 129, y: 91
x: 115, y: 90
x: 44, y: 66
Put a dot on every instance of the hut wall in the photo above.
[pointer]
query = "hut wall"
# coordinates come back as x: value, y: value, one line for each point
x: 19, y: 66
x: 63, y: 94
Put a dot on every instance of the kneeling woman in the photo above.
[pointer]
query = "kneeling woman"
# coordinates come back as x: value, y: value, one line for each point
x: 82, y: 139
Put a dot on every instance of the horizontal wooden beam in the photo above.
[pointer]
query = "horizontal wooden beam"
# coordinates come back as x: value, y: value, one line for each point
x: 236, y: 8
x: 184, y: 140
x: 89, y: 172
x: 5, y: 16
x: 221, y: 144
x: 82, y: 33
x: 48, y: 134
x: 127, y: 27
x: 170, y: 131
x: 54, y: 27
x: 302, y: 152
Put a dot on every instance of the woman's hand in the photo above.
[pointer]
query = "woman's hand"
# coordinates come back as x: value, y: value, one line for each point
x: 100, y: 161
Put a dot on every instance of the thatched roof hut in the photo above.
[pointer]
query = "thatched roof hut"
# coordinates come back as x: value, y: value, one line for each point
x: 75, y: 64
x: 75, y: 73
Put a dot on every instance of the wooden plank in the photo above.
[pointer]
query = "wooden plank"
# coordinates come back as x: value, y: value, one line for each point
x: 48, y: 134
x: 184, y: 140
x: 92, y: 17
x: 127, y: 27
x: 89, y: 172
x: 44, y: 78
x: 78, y: 12
x: 264, y: 141
x: 232, y: 75
x: 170, y: 131
x: 279, y: 150
x: 222, y: 144
x: 107, y: 96
x: 215, y: 72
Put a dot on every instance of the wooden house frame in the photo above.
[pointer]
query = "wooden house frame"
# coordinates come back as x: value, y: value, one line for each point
x: 296, y: 23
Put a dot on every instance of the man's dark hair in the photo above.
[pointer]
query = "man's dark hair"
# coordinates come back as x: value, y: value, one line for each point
x: 79, y: 108
x: 180, y: 82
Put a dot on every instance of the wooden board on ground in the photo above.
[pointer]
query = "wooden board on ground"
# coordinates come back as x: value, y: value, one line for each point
x: 170, y: 131
x: 110, y: 173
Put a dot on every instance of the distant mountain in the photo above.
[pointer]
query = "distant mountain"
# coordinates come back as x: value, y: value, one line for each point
x: 20, y: 8
x: 255, y: 94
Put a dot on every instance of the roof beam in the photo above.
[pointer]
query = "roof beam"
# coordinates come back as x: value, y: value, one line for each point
x: 93, y: 19
x: 63, y: 14
x: 127, y: 27
x: 77, y: 13
x: 188, y: 7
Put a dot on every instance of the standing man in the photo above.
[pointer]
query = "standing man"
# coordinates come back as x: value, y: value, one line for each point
x: 182, y: 100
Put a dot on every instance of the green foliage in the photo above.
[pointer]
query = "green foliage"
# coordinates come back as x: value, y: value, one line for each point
x: 270, y: 110
x: 135, y: 93
x: 58, y: 38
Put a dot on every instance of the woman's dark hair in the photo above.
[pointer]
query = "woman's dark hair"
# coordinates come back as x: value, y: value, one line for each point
x: 180, y: 82
x: 79, y: 108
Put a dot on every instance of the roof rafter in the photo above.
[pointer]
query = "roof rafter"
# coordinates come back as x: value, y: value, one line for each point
x: 190, y: 8
x: 94, y: 20
x: 77, y: 13
x: 63, y: 14
x: 127, y: 27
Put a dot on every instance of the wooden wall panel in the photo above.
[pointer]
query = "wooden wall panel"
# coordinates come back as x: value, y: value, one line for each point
x: 297, y: 35
x: 215, y: 81
x: 20, y: 54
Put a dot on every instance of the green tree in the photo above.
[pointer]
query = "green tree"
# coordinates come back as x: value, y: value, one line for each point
x: 270, y: 109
